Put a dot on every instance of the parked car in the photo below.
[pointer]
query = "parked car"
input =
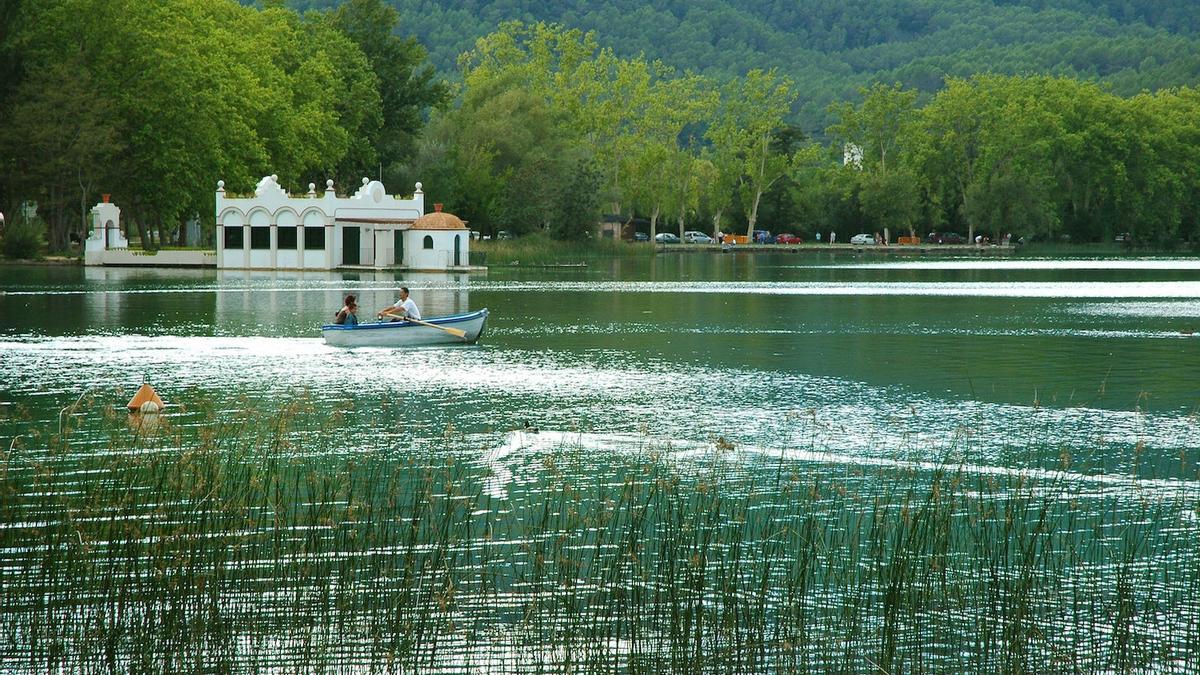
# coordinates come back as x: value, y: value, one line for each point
x: 763, y: 237
x: 504, y: 234
x: 693, y: 237
x: 666, y: 238
x: 788, y: 238
x: 945, y: 238
x: 863, y: 240
x: 641, y: 236
x: 1123, y: 238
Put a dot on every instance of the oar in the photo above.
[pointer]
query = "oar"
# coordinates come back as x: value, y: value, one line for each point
x: 453, y: 331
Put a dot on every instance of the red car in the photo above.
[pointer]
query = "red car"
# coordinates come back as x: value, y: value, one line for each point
x: 786, y: 238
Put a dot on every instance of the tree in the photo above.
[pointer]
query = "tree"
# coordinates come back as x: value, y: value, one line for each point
x: 752, y: 111
x: 58, y: 137
x: 206, y: 90
x: 659, y: 168
x: 718, y: 176
x: 880, y: 127
x: 407, y: 86
x: 574, y: 215
x: 536, y: 94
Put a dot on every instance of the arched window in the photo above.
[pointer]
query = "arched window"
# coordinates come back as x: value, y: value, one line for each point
x: 428, y: 241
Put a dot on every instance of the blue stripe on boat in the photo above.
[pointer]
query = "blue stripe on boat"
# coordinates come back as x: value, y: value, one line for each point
x: 439, y: 321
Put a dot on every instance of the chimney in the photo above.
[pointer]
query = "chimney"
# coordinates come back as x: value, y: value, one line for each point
x: 105, y: 197
x: 437, y: 208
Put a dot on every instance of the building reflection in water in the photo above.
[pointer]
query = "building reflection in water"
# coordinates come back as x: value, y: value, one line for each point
x: 254, y: 302
x: 312, y: 298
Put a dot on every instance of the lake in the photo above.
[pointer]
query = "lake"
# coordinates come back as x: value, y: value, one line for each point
x: 1039, y: 416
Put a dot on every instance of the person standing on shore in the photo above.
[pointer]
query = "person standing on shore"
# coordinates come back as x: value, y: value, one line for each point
x: 404, y: 308
x: 832, y: 236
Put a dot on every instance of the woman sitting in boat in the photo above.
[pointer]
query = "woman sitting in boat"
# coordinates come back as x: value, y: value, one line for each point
x: 346, y: 315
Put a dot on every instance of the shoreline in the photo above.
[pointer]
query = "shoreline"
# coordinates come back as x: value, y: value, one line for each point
x: 540, y: 256
x: 894, y: 249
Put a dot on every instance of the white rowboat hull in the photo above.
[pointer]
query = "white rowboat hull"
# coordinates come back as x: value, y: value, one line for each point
x: 406, y: 333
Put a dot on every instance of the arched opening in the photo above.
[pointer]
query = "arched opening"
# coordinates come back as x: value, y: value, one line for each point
x: 427, y: 242
x: 457, y: 249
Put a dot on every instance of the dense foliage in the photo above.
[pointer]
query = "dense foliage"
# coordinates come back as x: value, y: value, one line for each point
x: 1039, y: 157
x: 551, y: 126
x: 154, y: 102
x: 22, y: 239
x: 829, y: 48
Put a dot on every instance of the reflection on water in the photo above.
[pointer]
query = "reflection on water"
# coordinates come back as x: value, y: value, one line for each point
x: 723, y: 374
x: 1024, y: 264
x: 269, y: 545
x: 482, y: 388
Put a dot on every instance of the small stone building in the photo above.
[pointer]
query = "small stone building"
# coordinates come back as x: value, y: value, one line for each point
x: 372, y: 229
x: 106, y: 232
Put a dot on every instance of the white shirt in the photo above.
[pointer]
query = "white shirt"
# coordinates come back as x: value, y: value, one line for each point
x: 409, y: 307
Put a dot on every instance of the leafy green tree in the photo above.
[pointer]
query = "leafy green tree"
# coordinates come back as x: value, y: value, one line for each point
x: 879, y: 129
x: 878, y: 126
x: 538, y: 94
x: 58, y: 137
x: 1164, y: 197
x: 574, y: 214
x: 686, y: 175
x: 660, y: 168
x: 752, y: 111
x: 407, y: 85
x: 716, y: 178
x: 201, y: 90
x: 24, y: 238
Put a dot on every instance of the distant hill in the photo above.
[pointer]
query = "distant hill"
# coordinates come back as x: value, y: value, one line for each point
x: 831, y: 47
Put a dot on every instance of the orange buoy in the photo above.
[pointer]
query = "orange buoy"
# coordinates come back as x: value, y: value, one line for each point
x: 145, y: 394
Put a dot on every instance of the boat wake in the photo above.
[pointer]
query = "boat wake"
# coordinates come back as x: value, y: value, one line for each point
x: 519, y: 452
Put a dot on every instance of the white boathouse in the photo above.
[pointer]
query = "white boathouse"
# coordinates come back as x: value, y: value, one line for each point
x: 274, y: 230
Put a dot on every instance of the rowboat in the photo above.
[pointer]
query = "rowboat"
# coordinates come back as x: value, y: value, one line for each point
x: 443, y: 330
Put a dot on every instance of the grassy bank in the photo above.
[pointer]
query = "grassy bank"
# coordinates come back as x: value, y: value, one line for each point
x: 1116, y: 250
x: 249, y: 541
x: 539, y: 250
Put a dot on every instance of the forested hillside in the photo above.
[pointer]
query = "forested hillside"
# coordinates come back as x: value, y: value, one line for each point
x: 832, y: 47
x: 549, y: 128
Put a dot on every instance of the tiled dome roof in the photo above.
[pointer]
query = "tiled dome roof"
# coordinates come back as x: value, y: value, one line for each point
x: 439, y: 220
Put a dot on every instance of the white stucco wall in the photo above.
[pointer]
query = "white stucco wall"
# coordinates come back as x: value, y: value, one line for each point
x: 287, y: 259
x: 442, y: 254
x: 315, y: 260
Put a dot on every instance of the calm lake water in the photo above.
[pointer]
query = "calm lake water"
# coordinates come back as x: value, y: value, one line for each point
x: 901, y: 357
x: 808, y: 364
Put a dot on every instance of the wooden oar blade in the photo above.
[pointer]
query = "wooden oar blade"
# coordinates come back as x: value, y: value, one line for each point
x: 457, y: 332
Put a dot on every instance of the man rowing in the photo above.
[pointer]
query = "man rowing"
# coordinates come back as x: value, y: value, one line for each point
x: 404, y: 308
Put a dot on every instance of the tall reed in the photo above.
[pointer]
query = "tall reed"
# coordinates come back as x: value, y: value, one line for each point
x: 246, y: 540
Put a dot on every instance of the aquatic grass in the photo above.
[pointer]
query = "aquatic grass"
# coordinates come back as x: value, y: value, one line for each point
x: 243, y: 539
